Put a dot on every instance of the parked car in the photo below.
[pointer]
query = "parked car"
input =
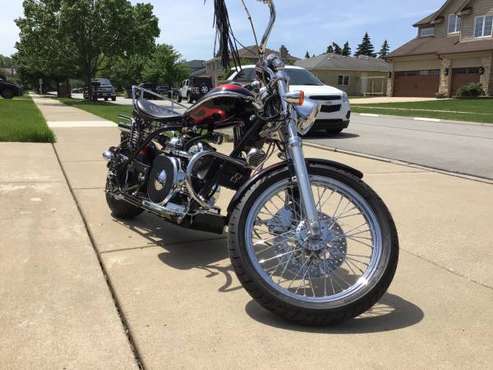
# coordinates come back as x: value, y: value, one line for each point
x: 194, y: 88
x: 335, y: 112
x: 8, y: 89
x: 101, y: 89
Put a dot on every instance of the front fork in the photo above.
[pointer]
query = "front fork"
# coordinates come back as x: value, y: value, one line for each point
x: 297, y: 158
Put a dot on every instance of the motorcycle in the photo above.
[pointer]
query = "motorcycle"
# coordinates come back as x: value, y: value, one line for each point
x: 308, y: 239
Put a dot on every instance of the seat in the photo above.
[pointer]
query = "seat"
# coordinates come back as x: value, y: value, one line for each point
x: 157, y: 113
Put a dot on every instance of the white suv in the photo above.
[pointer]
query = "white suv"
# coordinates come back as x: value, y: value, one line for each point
x: 335, y: 108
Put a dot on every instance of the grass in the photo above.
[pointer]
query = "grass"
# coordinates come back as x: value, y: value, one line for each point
x: 473, y: 110
x: 104, y: 110
x: 21, y: 121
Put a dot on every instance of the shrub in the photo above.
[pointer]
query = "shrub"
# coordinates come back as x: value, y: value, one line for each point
x: 472, y: 90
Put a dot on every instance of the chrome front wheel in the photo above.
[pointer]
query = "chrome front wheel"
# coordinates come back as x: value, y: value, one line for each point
x: 325, y: 279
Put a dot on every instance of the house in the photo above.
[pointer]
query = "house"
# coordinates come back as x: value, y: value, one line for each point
x: 356, y: 75
x: 8, y: 72
x: 195, y: 65
x: 248, y: 55
x: 453, y: 47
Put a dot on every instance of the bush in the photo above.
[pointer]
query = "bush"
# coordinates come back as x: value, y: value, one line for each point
x: 472, y: 90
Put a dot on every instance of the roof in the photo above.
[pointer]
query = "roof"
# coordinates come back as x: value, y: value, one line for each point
x: 337, y: 62
x: 446, y: 45
x: 199, y: 73
x: 433, y: 18
x: 196, y: 64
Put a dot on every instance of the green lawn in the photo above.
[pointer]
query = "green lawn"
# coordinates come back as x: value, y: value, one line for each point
x: 104, y: 110
x: 21, y: 121
x: 473, y: 110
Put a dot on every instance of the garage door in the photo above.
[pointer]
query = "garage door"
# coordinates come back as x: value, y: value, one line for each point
x: 417, y: 83
x: 464, y: 76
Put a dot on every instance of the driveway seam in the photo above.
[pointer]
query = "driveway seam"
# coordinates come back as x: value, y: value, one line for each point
x: 126, y: 328
x: 447, y: 269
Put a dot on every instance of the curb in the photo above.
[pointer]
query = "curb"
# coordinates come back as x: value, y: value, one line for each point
x: 460, y: 175
x: 425, y: 119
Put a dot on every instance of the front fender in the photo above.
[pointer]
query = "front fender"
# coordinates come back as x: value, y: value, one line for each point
x: 281, y: 166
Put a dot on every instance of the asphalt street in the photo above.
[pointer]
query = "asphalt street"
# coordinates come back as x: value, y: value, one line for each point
x: 455, y: 147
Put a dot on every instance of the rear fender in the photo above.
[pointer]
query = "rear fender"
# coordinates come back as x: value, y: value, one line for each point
x: 282, y: 166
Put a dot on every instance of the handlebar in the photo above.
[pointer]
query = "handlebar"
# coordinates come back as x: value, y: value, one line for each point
x: 270, y: 26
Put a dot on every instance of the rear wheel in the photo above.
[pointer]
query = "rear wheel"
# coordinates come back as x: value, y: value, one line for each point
x: 113, y: 98
x: 119, y: 208
x: 321, y: 281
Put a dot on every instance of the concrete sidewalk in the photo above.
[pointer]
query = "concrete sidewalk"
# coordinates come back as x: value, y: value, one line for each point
x: 59, y: 115
x: 56, y: 310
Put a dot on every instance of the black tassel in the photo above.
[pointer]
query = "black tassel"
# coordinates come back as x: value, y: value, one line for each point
x: 226, y: 40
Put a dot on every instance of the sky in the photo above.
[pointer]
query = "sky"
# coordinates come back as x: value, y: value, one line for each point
x: 302, y: 25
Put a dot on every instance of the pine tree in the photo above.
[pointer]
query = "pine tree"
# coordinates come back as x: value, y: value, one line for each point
x: 284, y: 53
x: 346, y: 50
x: 384, y: 51
x: 330, y: 49
x: 337, y: 48
x: 366, y: 47
x: 307, y: 55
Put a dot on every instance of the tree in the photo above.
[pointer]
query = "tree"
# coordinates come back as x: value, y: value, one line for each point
x: 337, y: 48
x: 69, y: 38
x: 107, y: 28
x: 366, y: 47
x: 384, y: 51
x: 44, y: 51
x: 330, y: 49
x: 6, y: 62
x: 165, y: 66
x: 284, y: 53
x: 346, y: 50
x: 307, y: 55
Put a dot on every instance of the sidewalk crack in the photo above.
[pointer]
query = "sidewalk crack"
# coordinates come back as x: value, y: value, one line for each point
x: 125, y: 325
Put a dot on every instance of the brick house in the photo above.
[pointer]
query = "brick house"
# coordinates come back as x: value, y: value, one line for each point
x: 453, y: 47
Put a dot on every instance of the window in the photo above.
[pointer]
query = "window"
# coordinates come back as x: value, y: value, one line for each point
x: 483, y: 26
x: 454, y: 23
x: 426, y: 31
x: 245, y: 75
x: 343, y: 80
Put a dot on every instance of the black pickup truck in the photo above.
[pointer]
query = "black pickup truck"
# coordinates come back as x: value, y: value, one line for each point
x: 8, y: 89
x: 101, y: 89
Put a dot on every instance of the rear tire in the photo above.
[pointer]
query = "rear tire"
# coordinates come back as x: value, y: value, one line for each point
x: 295, y: 309
x: 113, y: 98
x: 121, y: 209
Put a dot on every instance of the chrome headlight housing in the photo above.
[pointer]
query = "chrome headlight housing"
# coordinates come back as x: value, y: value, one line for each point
x: 307, y: 115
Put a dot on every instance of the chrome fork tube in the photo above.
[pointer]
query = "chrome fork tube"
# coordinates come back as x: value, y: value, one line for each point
x: 295, y: 153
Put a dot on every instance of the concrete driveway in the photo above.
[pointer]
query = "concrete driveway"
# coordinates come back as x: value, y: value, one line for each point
x: 455, y: 147
x: 181, y: 305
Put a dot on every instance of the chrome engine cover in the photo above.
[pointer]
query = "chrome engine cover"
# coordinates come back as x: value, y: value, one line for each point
x: 165, y: 178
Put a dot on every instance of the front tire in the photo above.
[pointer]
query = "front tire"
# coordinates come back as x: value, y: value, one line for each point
x: 310, y: 309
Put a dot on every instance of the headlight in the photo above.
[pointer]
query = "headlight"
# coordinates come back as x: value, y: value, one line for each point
x: 307, y: 115
x: 345, y: 98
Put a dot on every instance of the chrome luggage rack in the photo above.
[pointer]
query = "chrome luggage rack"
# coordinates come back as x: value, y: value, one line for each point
x: 138, y: 93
